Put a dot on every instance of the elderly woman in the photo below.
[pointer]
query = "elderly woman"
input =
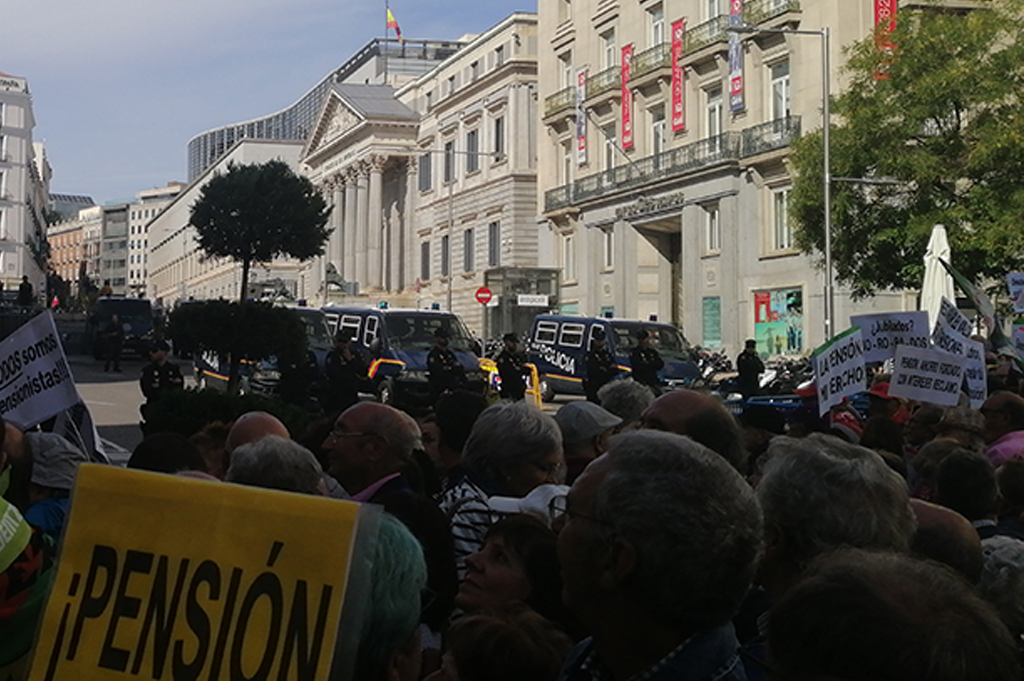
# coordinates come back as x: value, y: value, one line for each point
x: 512, y: 449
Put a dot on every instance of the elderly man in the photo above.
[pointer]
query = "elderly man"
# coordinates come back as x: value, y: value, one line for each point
x: 702, y: 417
x: 585, y: 428
x: 820, y: 493
x: 253, y: 425
x: 370, y: 451
x: 626, y: 399
x: 659, y: 546
x: 1004, y: 427
x: 274, y: 462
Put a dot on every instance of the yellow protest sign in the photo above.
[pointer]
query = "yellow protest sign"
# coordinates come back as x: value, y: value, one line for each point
x: 163, y: 577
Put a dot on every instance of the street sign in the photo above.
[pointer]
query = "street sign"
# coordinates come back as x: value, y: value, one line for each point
x: 483, y: 295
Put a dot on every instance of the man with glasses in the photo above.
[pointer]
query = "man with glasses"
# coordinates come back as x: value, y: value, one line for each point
x: 659, y: 546
x: 1004, y: 427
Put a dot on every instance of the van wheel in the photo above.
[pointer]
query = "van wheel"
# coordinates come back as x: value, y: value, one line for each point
x: 386, y: 392
x: 547, y: 393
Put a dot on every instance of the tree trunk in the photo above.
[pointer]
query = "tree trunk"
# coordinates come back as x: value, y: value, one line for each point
x: 233, y: 376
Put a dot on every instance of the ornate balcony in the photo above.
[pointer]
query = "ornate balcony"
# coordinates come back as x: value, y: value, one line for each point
x: 605, y: 81
x: 705, y: 34
x: 650, y: 60
x: 560, y: 101
x: 770, y: 136
x: 757, y: 11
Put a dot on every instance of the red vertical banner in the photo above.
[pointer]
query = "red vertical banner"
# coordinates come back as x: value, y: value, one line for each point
x: 627, y: 98
x: 678, y: 108
x: 885, y: 23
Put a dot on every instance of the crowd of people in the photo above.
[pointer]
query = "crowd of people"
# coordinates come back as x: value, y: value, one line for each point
x: 630, y: 536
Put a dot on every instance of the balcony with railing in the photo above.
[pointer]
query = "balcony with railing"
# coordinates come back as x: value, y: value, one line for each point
x: 758, y: 11
x: 603, y: 82
x: 702, y: 35
x: 728, y: 146
x: 650, y: 60
x: 560, y: 101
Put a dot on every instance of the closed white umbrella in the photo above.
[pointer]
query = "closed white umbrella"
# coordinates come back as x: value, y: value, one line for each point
x: 937, y: 282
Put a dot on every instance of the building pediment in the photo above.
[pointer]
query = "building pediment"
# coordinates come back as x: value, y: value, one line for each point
x: 336, y: 120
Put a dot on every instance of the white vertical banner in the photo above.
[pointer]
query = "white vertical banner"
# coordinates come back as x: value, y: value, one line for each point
x: 839, y: 369
x: 1015, y: 282
x: 975, y: 373
x: 735, y: 57
x: 581, y: 116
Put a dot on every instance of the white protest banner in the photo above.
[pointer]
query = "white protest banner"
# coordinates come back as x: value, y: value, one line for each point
x: 883, y: 332
x: 35, y: 380
x: 1015, y: 282
x: 927, y: 375
x: 955, y: 318
x: 975, y: 373
x: 839, y: 369
x: 948, y: 339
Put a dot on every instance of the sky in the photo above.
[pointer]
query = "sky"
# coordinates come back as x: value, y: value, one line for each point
x: 120, y: 86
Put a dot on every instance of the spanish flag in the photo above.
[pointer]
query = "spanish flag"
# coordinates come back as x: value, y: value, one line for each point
x: 394, y: 24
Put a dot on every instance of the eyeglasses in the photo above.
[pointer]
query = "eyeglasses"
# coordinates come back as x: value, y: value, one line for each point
x: 560, y: 506
x: 336, y: 434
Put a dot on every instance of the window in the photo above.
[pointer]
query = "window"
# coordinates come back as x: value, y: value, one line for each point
x: 565, y: 64
x: 611, y: 56
x: 564, y: 10
x: 714, y: 9
x: 449, y: 160
x: 446, y: 255
x: 547, y: 332
x: 425, y: 260
x: 472, y: 149
x: 780, y: 90
x: 494, y: 244
x: 712, y: 229
x: 567, y: 163
x: 499, y: 56
x: 713, y: 112
x: 499, y: 136
x: 782, y: 233
x: 425, y: 180
x: 572, y: 335
x: 569, y: 257
x: 658, y: 130
x: 657, y: 21
x: 609, y: 247
x: 609, y: 147
x: 468, y: 247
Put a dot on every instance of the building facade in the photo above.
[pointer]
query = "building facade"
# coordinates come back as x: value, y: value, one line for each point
x: 434, y: 184
x: 24, y: 189
x: 663, y: 163
x: 178, y: 271
x: 66, y: 252
x: 147, y: 205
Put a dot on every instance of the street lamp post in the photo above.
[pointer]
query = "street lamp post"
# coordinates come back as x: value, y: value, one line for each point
x: 826, y: 125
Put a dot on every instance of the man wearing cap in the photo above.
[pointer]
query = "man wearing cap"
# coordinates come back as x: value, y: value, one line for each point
x: 881, y: 404
x: 749, y: 367
x: 646, y: 361
x: 444, y: 372
x: 345, y: 368
x: 159, y: 376
x: 585, y: 428
x: 511, y: 369
x: 601, y: 366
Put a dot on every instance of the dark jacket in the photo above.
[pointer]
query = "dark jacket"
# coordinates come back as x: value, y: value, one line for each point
x: 157, y: 380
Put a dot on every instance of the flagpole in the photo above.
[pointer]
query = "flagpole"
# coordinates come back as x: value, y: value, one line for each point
x: 384, y: 45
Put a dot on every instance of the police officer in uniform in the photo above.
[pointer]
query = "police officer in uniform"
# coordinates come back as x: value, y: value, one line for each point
x: 646, y: 361
x: 511, y: 361
x: 444, y: 373
x: 159, y: 376
x: 345, y: 368
x: 601, y: 366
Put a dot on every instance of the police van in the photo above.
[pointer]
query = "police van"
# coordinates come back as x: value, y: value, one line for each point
x: 395, y: 343
x: 558, y: 344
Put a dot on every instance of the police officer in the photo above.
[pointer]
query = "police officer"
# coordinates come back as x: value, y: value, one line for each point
x: 159, y: 376
x: 511, y: 361
x: 345, y: 368
x: 646, y: 361
x: 750, y: 367
x: 601, y: 366
x: 444, y: 373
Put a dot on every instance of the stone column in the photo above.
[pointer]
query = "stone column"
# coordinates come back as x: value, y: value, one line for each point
x: 375, y: 224
x: 409, y: 253
x: 361, y: 226
x: 336, y: 246
x: 349, y: 225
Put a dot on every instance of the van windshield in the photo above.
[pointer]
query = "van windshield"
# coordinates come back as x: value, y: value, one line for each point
x: 317, y: 332
x: 416, y: 331
x: 667, y: 340
x: 128, y: 310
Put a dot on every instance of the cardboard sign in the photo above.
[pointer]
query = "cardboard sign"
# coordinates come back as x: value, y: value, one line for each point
x: 927, y: 375
x: 164, y: 577
x: 839, y: 369
x: 1015, y: 282
x: 882, y: 333
x: 35, y: 380
x: 947, y: 339
x: 954, y: 319
x: 975, y: 373
x: 1018, y: 339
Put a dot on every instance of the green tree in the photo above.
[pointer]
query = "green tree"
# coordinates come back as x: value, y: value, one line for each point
x: 256, y: 212
x: 946, y: 123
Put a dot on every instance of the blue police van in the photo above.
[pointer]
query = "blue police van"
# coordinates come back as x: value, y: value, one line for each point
x: 395, y: 343
x: 557, y: 344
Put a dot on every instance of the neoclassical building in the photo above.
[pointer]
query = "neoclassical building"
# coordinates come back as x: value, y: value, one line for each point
x: 434, y: 185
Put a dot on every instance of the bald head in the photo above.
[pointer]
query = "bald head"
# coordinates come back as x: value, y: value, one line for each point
x: 253, y: 426
x: 945, y: 536
x: 701, y: 417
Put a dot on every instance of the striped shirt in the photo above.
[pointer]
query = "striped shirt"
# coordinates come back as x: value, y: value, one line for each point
x: 469, y: 518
